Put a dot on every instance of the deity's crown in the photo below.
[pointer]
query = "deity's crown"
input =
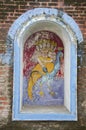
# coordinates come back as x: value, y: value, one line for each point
x: 46, y: 44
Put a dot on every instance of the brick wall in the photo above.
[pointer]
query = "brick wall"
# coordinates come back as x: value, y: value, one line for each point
x: 10, y: 10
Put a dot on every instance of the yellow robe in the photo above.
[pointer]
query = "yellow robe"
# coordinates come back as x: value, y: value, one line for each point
x: 38, y: 72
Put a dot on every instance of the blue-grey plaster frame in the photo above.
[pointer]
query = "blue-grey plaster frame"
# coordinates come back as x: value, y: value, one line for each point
x: 76, y: 37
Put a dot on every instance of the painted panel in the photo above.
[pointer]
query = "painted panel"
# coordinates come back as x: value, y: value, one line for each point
x: 43, y: 70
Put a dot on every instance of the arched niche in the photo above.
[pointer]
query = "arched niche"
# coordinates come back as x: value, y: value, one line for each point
x: 65, y: 28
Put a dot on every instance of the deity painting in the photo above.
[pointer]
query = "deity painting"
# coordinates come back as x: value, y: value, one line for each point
x: 43, y: 69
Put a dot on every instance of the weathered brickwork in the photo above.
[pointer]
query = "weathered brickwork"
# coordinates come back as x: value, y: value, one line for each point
x: 10, y: 10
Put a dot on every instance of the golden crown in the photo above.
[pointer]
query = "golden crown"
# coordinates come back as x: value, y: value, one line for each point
x: 45, y: 44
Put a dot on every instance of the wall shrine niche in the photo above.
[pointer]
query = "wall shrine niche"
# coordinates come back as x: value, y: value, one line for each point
x: 45, y: 65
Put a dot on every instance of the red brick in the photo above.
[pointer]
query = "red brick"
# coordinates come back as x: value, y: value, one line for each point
x: 2, y: 107
x: 3, y: 98
x: 43, y: 4
x: 52, y: 4
x: 5, y: 103
x: 34, y: 3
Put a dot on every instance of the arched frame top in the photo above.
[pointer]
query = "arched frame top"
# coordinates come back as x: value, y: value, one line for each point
x: 37, y: 13
x: 65, y: 27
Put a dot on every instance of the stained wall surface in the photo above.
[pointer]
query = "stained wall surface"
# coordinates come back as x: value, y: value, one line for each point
x: 10, y: 10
